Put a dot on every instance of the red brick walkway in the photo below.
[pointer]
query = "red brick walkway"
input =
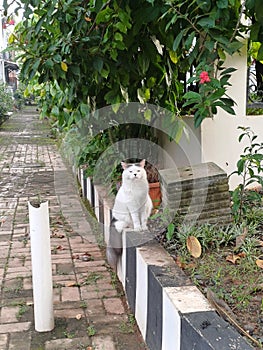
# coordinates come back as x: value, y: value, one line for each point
x: 89, y: 308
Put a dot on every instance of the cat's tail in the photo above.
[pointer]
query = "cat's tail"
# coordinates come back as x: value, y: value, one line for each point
x: 114, y: 245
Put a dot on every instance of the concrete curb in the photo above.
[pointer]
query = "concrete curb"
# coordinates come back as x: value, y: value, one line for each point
x: 170, y: 311
x: 172, y: 314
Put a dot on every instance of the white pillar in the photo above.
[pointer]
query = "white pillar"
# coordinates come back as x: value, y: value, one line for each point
x: 41, y: 267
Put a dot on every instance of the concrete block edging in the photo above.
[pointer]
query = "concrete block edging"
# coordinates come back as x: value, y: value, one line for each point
x: 171, y: 313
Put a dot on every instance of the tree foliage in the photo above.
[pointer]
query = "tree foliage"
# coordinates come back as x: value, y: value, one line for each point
x: 87, y: 54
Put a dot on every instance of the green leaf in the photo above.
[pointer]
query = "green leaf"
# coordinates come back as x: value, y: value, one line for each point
x: 39, y: 24
x: 84, y: 109
x: 241, y: 165
x: 189, y: 40
x: 104, y: 15
x: 222, y: 4
x: 228, y: 71
x: 34, y: 68
x: 198, y: 118
x: 74, y: 69
x: 125, y: 18
x: 148, y: 115
x: 260, y: 53
x: 178, y: 40
x: 217, y: 94
x: 170, y: 231
x: 118, y: 36
x: 193, y: 96
x: 57, y: 58
x: 144, y: 63
x: 173, y: 56
x: 121, y: 27
x: 229, y: 109
x: 206, y: 22
x: 55, y: 111
x: 49, y: 63
x: 98, y: 64
x: 227, y: 101
x: 258, y: 11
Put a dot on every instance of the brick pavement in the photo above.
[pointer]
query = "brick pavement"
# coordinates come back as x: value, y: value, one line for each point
x: 89, y: 308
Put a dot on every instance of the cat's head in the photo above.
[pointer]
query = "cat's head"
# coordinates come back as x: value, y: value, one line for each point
x: 133, y: 171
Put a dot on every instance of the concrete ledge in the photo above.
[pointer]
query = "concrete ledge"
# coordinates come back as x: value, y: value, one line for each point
x: 172, y: 314
x: 170, y: 311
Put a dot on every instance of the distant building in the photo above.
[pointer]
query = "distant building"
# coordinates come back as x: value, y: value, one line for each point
x: 8, y: 67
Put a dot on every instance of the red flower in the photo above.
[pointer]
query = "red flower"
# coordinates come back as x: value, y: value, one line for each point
x: 204, y: 77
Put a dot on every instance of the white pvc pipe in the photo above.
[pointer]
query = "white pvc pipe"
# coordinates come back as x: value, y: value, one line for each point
x: 41, y: 267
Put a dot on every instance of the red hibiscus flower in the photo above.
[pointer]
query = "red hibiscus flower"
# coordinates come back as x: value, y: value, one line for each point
x: 204, y: 77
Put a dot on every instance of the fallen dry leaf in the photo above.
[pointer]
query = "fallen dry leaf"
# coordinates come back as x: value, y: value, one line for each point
x: 233, y: 258
x: 194, y: 246
x: 72, y: 284
x: 78, y: 316
x: 259, y: 263
x: 259, y: 243
x: 241, y: 238
x: 180, y: 262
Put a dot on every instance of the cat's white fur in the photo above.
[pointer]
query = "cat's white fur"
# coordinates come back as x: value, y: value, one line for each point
x: 132, y: 208
x: 133, y: 204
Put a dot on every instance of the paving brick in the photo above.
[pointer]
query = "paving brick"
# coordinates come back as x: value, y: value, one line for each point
x: 27, y: 283
x: 89, y: 264
x: 21, y: 341
x: 8, y: 314
x: 103, y: 343
x: 90, y: 269
x: 70, y: 293
x: 107, y: 293
x: 64, y: 268
x: 87, y: 294
x: 15, y: 327
x: 19, y: 270
x: 76, y: 313
x: 3, y: 341
x: 94, y: 307
x: 68, y: 344
x: 114, y: 306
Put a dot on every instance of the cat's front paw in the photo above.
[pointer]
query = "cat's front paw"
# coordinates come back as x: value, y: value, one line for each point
x: 141, y: 228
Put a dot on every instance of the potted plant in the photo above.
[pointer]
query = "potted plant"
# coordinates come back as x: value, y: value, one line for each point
x: 154, y: 184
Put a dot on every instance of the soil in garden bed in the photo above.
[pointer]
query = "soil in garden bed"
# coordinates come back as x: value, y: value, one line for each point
x: 230, y: 264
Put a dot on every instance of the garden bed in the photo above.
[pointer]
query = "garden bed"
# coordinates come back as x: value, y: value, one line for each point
x: 230, y: 266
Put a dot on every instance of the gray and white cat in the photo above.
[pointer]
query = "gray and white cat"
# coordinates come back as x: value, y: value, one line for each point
x: 131, y: 209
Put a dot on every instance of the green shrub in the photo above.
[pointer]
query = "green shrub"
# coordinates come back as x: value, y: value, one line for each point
x: 6, y: 101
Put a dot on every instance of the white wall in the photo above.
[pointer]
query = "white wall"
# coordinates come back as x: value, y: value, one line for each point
x: 188, y: 152
x: 219, y: 136
x: 217, y: 139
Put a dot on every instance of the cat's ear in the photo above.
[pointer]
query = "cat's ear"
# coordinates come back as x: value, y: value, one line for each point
x: 142, y: 163
x: 124, y: 165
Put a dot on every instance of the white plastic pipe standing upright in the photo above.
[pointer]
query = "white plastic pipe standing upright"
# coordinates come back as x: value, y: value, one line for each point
x: 41, y: 267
